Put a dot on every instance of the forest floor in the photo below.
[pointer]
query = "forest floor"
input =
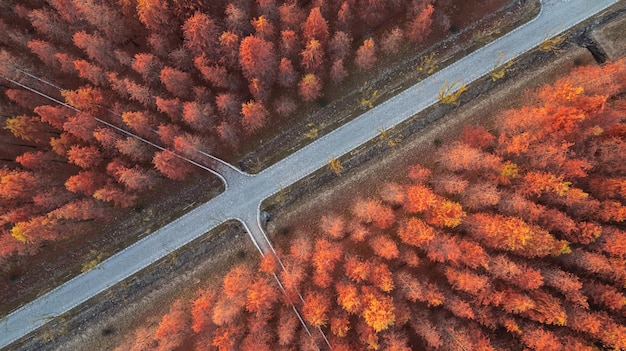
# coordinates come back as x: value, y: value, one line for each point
x: 24, y: 278
x: 142, y: 307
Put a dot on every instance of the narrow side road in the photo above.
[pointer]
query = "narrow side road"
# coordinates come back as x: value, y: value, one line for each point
x: 244, y: 192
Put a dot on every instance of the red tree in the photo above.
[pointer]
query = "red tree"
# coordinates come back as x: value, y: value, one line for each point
x: 201, y: 34
x: 173, y: 108
x: 477, y: 137
x: 201, y: 310
x: 345, y: 16
x: 111, y: 193
x: 198, y: 115
x: 154, y: 14
x: 339, y: 46
x: 315, y: 27
x: 333, y: 226
x: 315, y: 309
x: 312, y: 56
x: 91, y: 72
x: 384, y: 247
x: 105, y: 18
x: 373, y: 211
x: 366, y: 54
x: 291, y: 15
x: 229, y: 44
x: 356, y: 269
x: 310, y: 87
x: 325, y: 257
x: 36, y: 160
x: 263, y: 28
x: 174, y: 327
x: 288, y: 322
x: 139, y: 121
x: 287, y: 75
x: 84, y: 157
x: 171, y: 166
x: 217, y: 75
x: 96, y: 47
x: 149, y: 66
x: 338, y: 71
x: 136, y: 179
x: 391, y: 42
x: 45, y: 52
x: 85, y: 98
x: 176, y: 81
x: 258, y: 59
x: 289, y: 43
x: 254, y: 115
x: 480, y: 196
x: 86, y: 182
x: 261, y: 295
x: 419, y: 27
x: 53, y: 115
x: 80, y: 210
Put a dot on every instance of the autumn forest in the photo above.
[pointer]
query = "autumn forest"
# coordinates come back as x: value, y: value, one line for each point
x: 188, y: 76
x: 515, y: 240
x: 510, y: 237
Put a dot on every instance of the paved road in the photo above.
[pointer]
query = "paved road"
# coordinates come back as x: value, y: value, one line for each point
x: 245, y: 192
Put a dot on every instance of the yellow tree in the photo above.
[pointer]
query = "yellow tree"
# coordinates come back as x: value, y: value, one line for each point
x: 378, y: 309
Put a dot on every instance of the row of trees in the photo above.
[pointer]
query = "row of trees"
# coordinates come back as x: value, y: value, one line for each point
x: 513, y: 240
x: 185, y: 75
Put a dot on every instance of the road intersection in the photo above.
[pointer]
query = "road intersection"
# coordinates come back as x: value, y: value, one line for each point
x: 244, y: 192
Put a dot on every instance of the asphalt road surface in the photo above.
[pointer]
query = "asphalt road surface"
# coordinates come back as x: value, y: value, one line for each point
x: 244, y: 192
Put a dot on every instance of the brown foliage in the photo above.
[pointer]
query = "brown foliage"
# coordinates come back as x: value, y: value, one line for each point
x: 339, y: 46
x: 310, y: 87
x: 170, y: 165
x: 384, y: 247
x: 315, y: 27
x: 373, y: 211
x: 258, y: 59
x: 315, y: 309
x: 201, y: 311
x: 84, y: 157
x: 254, y: 115
x: 366, y: 55
x: 312, y: 57
x: 287, y: 75
x: 338, y: 71
x: 176, y: 81
x: 392, y: 41
x: 420, y: 27
x: 173, y: 327
x: 333, y: 226
x: 111, y: 193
